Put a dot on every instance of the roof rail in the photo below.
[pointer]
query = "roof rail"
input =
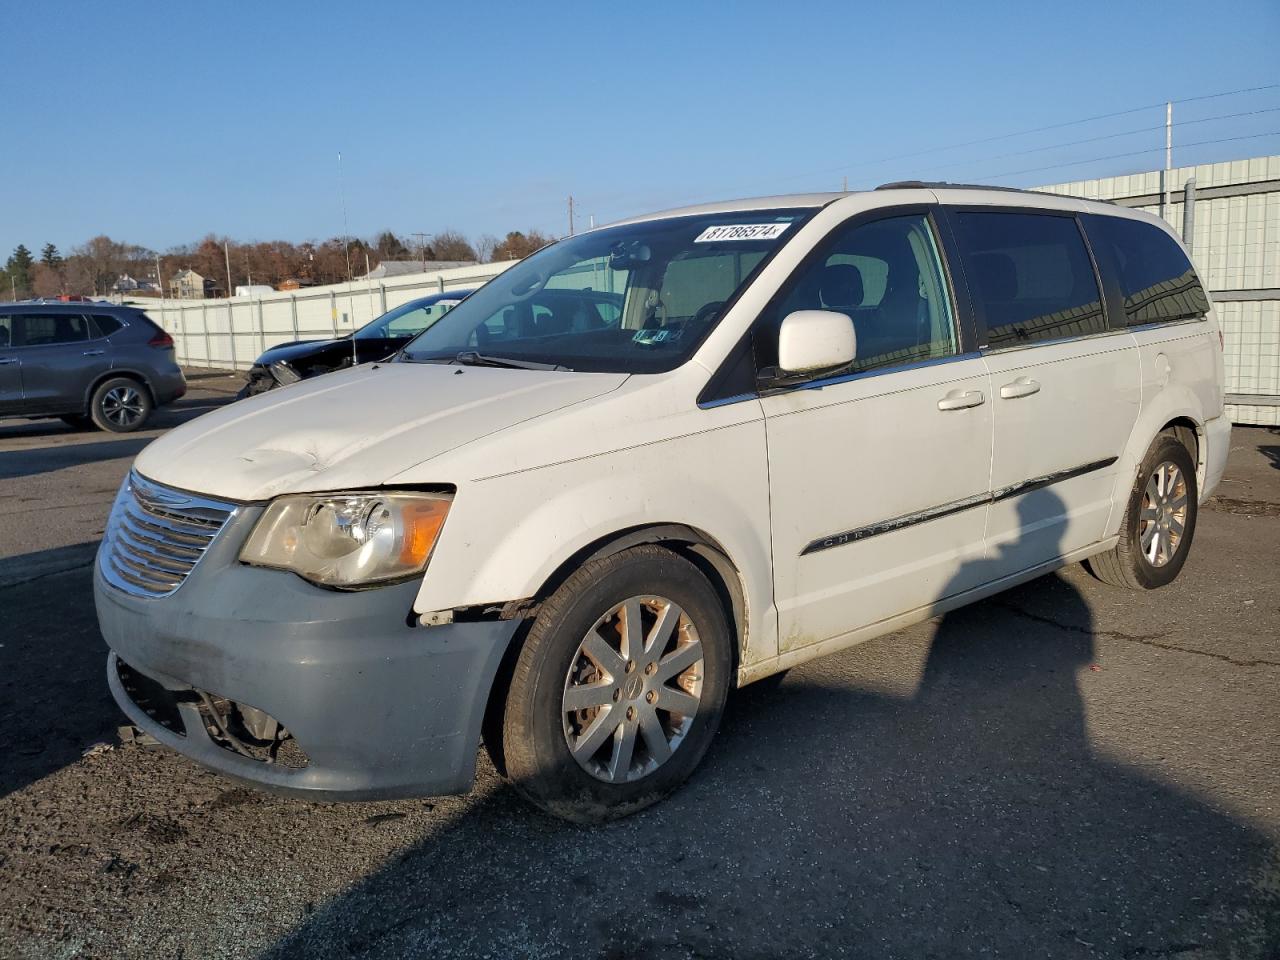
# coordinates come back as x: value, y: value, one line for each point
x: 944, y: 185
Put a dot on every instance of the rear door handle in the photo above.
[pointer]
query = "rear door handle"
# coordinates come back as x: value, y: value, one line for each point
x: 94, y: 353
x: 960, y: 400
x: 1022, y: 387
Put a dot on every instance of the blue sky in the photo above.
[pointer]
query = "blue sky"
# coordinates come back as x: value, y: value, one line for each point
x: 158, y: 123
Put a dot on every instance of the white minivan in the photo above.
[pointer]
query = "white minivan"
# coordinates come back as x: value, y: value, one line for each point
x: 652, y: 462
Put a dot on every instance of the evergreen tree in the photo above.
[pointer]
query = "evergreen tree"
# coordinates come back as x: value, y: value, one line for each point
x: 50, y: 256
x: 19, y: 269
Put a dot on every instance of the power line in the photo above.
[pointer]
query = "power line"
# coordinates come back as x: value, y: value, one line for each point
x: 1024, y: 133
x: 1109, y: 136
x: 1117, y: 156
x: 992, y: 139
x: 1229, y: 93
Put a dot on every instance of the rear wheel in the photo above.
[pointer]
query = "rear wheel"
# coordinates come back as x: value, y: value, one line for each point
x: 619, y: 687
x: 120, y: 405
x: 1159, y: 523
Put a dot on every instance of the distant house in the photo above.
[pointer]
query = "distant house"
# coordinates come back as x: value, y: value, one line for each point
x: 127, y: 284
x: 295, y: 283
x: 189, y: 285
x: 403, y: 268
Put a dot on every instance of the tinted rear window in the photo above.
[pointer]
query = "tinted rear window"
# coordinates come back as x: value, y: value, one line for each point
x: 1031, y: 275
x: 47, y: 329
x: 106, y: 324
x: 1158, y: 281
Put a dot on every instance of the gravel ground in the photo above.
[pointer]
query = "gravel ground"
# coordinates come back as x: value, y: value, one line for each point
x: 1064, y: 770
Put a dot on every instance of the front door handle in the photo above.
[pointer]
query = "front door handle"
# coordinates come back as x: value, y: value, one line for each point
x: 1022, y: 387
x: 94, y: 353
x: 960, y: 400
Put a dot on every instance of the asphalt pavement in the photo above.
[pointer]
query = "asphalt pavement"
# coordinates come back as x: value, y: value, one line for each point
x: 1064, y: 770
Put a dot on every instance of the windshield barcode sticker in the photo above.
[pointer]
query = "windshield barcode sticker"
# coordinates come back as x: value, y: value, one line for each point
x: 742, y: 231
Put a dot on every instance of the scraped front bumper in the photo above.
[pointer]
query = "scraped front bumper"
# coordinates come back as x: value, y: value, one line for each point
x: 380, y: 707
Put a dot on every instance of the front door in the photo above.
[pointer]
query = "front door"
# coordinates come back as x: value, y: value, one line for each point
x: 878, y: 478
x: 10, y: 374
x: 1064, y: 383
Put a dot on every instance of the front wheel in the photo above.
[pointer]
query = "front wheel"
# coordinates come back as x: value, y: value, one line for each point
x: 1159, y: 523
x: 255, y: 387
x: 619, y: 687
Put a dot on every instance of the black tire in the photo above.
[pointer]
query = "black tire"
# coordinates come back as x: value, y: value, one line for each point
x: 77, y: 421
x: 1126, y: 565
x: 120, y: 405
x: 252, y: 389
x: 535, y: 736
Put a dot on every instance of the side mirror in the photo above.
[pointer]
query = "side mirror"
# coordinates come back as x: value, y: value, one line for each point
x: 812, y: 341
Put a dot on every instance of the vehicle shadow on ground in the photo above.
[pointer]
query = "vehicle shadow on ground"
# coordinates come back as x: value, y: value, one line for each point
x: 972, y: 816
x: 70, y: 450
x: 29, y: 462
x: 54, y: 700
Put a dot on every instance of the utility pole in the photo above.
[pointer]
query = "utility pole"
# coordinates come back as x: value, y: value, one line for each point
x: 1188, y: 211
x: 226, y: 252
x: 1167, y: 174
x: 571, y: 215
x: 844, y: 184
x: 422, y: 248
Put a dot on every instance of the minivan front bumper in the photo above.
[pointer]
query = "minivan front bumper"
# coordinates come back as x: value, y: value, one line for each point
x: 381, y: 708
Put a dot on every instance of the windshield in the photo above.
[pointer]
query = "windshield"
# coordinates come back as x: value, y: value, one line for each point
x: 406, y: 322
x: 636, y: 298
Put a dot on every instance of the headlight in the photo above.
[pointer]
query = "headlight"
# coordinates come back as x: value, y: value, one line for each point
x: 284, y: 373
x: 348, y: 539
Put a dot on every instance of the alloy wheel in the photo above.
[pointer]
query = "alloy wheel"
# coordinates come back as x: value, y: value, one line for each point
x: 633, y: 689
x: 122, y: 406
x: 1163, y: 519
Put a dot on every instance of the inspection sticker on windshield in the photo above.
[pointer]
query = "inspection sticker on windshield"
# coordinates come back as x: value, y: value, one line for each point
x: 742, y: 231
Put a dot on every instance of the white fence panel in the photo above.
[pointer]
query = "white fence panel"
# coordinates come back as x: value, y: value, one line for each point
x: 230, y: 334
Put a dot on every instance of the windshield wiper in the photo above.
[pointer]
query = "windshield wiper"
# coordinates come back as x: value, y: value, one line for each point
x: 471, y: 358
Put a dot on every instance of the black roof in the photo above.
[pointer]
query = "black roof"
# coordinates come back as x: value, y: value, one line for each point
x: 95, y: 306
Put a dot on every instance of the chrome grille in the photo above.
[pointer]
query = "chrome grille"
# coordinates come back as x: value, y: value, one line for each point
x: 156, y: 535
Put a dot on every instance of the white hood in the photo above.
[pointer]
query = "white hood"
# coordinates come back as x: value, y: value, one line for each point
x: 357, y: 428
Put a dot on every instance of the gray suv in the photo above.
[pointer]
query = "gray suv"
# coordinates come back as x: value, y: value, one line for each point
x: 90, y: 364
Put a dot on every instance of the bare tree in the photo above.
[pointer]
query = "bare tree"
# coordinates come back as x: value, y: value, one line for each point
x: 98, y: 263
x: 47, y: 281
x: 484, y: 245
x: 451, y: 245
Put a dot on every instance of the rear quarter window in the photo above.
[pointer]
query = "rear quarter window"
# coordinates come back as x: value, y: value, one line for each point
x: 1158, y: 281
x: 105, y: 325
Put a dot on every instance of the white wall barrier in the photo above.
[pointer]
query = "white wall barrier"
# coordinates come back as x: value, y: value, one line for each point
x: 230, y: 334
